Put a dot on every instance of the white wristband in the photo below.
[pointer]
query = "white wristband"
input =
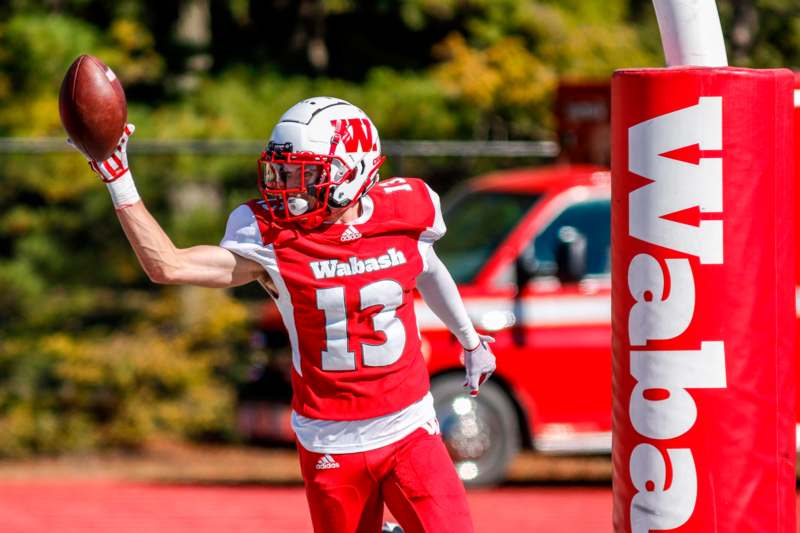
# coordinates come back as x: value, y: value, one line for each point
x: 123, y: 191
x: 468, y: 337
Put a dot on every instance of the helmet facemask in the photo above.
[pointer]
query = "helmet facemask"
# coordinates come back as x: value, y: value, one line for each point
x: 296, y: 185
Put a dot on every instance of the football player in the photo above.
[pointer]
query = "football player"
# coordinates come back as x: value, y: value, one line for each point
x: 341, y: 254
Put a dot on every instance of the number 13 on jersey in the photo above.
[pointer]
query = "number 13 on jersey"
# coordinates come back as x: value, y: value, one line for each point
x: 336, y: 354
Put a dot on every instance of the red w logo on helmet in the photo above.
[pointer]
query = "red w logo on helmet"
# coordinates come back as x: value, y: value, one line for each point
x: 354, y: 133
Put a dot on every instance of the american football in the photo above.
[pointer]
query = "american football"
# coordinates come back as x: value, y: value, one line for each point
x: 92, y: 107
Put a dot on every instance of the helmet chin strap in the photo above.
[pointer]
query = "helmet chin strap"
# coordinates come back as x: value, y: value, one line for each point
x: 344, y: 193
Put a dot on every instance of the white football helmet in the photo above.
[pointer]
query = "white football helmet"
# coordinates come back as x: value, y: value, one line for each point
x: 322, y: 156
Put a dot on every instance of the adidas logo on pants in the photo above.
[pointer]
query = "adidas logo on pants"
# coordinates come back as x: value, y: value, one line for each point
x: 325, y: 462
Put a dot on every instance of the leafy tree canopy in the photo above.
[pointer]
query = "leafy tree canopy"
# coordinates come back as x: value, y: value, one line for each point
x: 91, y: 354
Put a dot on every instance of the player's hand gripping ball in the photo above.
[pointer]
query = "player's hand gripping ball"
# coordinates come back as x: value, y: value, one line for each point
x: 116, y: 165
x: 92, y: 107
x: 480, y: 363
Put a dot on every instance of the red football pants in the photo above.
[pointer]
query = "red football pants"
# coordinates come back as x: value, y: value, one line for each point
x: 414, y: 476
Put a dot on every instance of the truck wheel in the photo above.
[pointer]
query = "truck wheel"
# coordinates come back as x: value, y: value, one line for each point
x: 481, y: 434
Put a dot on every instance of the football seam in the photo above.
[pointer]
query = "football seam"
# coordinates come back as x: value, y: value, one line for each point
x: 75, y: 78
x: 84, y: 149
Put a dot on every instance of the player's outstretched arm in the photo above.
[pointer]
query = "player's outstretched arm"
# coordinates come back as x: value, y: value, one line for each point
x: 440, y: 292
x: 207, y: 266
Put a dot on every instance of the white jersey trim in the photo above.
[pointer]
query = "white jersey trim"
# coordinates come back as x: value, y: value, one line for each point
x: 432, y: 233
x: 243, y: 237
x: 351, y: 436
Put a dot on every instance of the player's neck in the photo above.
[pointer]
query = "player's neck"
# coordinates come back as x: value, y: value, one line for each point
x: 349, y: 215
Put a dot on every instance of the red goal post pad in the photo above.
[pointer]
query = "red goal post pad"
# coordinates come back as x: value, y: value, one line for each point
x: 703, y: 300
x: 797, y: 163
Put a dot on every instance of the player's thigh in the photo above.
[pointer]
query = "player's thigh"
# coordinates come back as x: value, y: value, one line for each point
x: 423, y: 490
x: 342, y: 497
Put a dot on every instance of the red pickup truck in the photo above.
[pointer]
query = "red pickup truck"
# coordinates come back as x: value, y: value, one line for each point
x: 548, y: 231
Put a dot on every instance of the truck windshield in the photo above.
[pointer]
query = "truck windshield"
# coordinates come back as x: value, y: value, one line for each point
x: 477, y: 222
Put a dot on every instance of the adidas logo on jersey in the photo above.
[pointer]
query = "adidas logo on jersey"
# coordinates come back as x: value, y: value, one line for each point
x: 326, y: 462
x: 350, y: 234
x: 333, y: 268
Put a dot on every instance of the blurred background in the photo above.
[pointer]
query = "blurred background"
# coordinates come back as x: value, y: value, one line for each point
x: 95, y: 361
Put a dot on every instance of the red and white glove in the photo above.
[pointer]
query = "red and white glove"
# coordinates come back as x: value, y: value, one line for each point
x: 114, y: 171
x: 480, y: 364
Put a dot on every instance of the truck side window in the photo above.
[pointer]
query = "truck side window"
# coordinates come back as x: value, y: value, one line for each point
x: 592, y: 218
x: 477, y: 222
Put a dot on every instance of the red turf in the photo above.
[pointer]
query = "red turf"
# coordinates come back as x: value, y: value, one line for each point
x: 105, y: 507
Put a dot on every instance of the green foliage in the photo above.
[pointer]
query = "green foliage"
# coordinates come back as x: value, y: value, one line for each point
x: 62, y: 393
x: 34, y: 53
x: 245, y: 104
x: 762, y: 33
x: 37, y: 48
x: 91, y: 353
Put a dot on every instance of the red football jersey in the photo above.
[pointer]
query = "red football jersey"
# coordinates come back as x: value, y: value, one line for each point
x: 346, y: 295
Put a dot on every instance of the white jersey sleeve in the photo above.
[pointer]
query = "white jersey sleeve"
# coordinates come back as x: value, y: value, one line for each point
x: 435, y: 230
x: 243, y: 237
x: 242, y: 228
